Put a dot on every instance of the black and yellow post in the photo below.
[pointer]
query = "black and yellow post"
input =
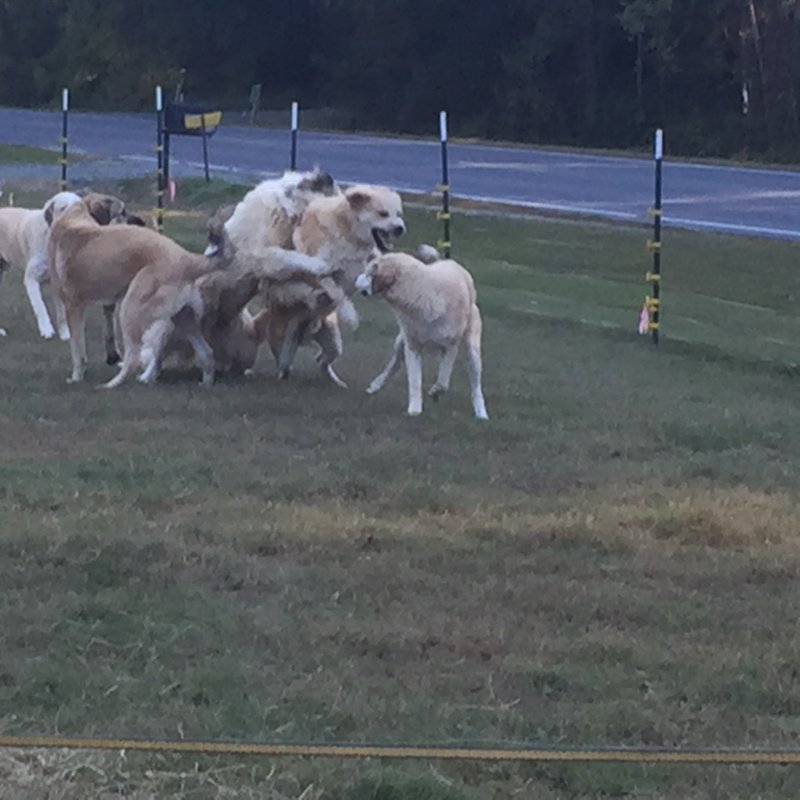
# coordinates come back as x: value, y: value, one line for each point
x: 293, y: 156
x: 653, y: 301
x: 444, y: 245
x: 64, y: 138
x: 159, y: 160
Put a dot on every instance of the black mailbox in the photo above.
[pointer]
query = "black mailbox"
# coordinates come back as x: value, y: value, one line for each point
x: 184, y: 119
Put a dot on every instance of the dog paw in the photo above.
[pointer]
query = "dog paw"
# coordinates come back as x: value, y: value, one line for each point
x: 414, y: 412
x: 372, y: 388
x: 436, y: 390
x: 63, y: 334
x: 47, y: 333
x: 3, y: 332
x: 284, y: 373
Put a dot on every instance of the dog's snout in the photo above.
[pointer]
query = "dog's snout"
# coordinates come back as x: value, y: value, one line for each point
x: 399, y: 230
x: 363, y: 284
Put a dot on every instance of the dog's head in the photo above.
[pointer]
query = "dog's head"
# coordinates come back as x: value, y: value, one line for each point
x: 383, y: 272
x: 106, y: 209
x: 378, y: 214
x: 300, y: 188
x: 58, y: 204
x: 216, y: 230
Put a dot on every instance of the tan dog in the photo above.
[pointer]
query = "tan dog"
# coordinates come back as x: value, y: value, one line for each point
x: 23, y: 245
x: 90, y: 263
x: 435, y: 307
x: 344, y: 231
x: 185, y: 298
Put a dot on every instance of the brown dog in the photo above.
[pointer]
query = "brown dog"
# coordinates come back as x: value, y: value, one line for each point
x: 90, y: 263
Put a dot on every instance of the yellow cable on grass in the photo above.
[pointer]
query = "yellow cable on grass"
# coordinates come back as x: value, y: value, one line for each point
x: 432, y: 752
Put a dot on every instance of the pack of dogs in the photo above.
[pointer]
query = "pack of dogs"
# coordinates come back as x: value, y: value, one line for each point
x: 281, y: 268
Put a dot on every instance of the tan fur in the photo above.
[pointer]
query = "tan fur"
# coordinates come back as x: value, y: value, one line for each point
x: 342, y: 231
x: 435, y: 306
x: 90, y: 263
x: 265, y: 219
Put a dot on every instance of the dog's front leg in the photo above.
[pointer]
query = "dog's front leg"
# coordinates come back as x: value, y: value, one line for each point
x: 112, y: 356
x: 33, y: 287
x: 414, y: 374
x: 395, y: 360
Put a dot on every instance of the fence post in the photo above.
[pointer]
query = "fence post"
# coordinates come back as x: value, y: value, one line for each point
x: 159, y: 160
x: 64, y: 138
x: 295, y: 116
x: 444, y: 245
x: 653, y: 302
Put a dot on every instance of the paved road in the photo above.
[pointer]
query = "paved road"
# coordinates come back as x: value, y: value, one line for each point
x: 748, y: 201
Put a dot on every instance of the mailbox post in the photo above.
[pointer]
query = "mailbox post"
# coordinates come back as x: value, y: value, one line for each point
x: 182, y: 119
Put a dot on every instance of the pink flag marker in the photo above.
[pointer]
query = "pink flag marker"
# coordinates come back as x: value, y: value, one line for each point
x: 644, y: 320
x: 171, y: 190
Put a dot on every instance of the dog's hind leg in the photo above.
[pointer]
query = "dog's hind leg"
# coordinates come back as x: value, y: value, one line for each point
x: 205, y: 356
x: 33, y: 286
x: 475, y: 366
x: 329, y: 338
x: 445, y: 371
x: 395, y: 360
x: 61, y: 318
x: 76, y: 319
x: 414, y: 375
x: 112, y: 356
x: 291, y: 341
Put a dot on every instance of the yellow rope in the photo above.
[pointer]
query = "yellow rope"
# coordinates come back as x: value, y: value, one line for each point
x: 590, y: 754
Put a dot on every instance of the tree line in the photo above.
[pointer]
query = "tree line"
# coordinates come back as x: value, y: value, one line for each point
x: 721, y: 76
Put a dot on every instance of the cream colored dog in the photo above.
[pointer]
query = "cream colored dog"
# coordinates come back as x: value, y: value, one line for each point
x: 23, y: 245
x: 90, y: 263
x: 344, y: 231
x: 435, y: 307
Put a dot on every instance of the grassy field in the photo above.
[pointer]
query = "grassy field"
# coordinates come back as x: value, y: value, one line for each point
x: 612, y: 559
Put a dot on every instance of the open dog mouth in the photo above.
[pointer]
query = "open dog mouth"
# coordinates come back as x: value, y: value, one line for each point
x: 382, y: 240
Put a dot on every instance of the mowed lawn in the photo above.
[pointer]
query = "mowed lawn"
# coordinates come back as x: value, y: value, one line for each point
x: 613, y: 559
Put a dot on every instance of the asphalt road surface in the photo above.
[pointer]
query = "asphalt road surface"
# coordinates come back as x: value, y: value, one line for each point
x: 757, y: 202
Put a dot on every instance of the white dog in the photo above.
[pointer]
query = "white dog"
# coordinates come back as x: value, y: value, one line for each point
x: 435, y: 307
x: 23, y: 246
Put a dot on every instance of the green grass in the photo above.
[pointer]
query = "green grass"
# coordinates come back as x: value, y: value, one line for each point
x: 612, y: 559
x: 20, y: 154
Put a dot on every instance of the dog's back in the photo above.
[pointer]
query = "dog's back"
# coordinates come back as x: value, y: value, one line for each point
x: 22, y: 232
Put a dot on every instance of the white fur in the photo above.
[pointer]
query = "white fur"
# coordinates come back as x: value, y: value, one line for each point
x: 23, y: 244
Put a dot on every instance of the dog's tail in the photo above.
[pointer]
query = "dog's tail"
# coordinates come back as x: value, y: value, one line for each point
x: 427, y: 253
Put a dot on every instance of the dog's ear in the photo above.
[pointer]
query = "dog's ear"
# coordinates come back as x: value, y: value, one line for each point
x: 48, y: 213
x: 358, y: 199
x: 100, y: 207
x: 132, y: 219
x: 321, y: 182
x: 382, y: 280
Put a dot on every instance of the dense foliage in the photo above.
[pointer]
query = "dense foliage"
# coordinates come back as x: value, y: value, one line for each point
x: 721, y: 75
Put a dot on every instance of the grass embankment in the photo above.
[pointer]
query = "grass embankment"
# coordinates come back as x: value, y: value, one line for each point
x: 612, y: 559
